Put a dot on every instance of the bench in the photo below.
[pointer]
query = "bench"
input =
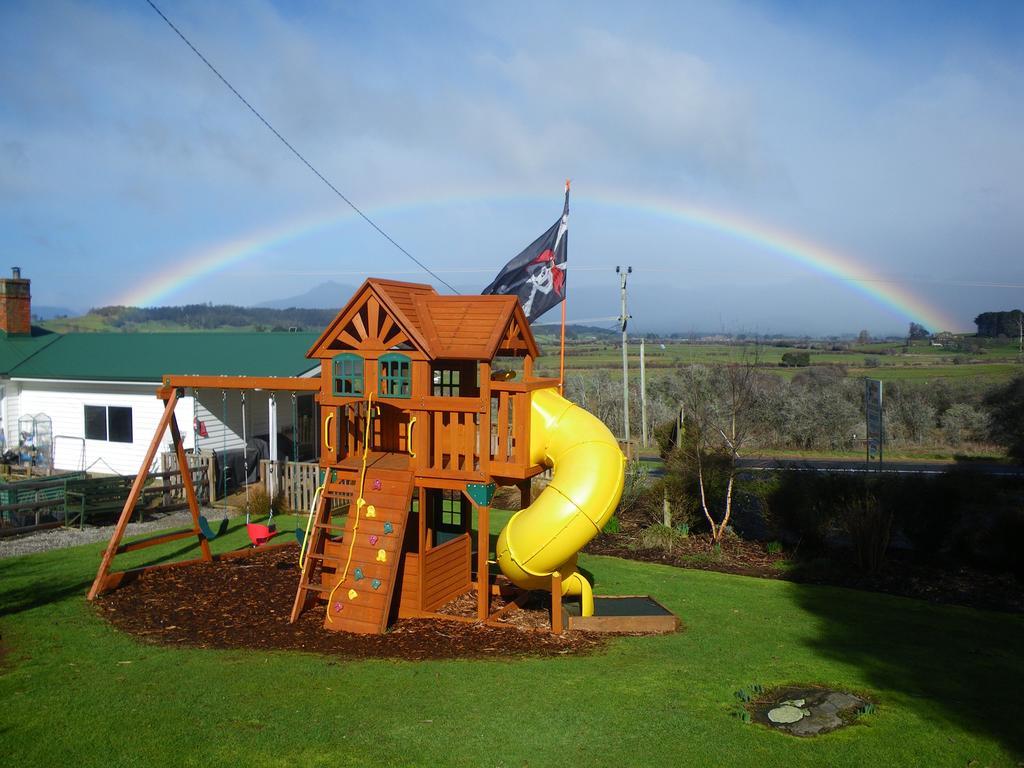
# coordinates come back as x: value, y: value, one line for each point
x: 102, y: 495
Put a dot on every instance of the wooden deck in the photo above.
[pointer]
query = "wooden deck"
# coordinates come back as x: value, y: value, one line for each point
x: 376, y: 460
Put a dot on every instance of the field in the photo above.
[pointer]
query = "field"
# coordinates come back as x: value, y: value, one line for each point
x: 889, y: 361
x: 946, y: 682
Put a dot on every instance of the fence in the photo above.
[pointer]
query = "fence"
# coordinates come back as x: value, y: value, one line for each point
x: 25, y: 503
x: 36, y: 504
x: 204, y: 477
x: 297, y: 481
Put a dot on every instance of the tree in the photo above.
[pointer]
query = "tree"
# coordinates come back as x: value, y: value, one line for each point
x: 864, y: 337
x: 796, y: 359
x: 720, y: 421
x: 1005, y: 406
x: 918, y: 332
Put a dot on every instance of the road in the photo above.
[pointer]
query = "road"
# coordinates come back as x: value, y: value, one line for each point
x: 891, y: 467
x: 857, y: 466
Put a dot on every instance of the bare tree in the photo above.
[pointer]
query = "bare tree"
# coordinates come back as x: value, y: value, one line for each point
x: 720, y: 421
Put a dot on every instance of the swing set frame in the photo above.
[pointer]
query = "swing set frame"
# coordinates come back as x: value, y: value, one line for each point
x: 170, y: 393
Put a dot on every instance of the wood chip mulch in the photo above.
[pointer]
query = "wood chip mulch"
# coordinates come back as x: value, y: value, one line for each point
x: 246, y: 602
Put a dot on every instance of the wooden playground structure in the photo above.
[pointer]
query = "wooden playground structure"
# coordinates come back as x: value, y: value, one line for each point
x: 417, y: 429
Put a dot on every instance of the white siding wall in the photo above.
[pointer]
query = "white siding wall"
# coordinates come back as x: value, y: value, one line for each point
x: 12, y: 389
x: 64, y: 403
x: 221, y: 432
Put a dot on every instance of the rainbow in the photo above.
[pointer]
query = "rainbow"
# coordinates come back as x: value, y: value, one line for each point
x: 816, y: 257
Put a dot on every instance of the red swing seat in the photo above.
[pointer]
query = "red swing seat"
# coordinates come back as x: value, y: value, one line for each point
x: 260, y: 534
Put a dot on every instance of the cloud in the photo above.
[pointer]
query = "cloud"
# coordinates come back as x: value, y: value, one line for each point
x: 113, y: 133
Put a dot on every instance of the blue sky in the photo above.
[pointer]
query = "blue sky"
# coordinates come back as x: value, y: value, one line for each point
x: 886, y: 132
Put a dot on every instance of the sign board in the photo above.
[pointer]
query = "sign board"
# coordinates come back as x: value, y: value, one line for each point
x: 873, y: 415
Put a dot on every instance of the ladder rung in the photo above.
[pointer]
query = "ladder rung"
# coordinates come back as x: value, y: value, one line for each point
x: 315, y: 588
x: 329, y: 527
x: 323, y: 558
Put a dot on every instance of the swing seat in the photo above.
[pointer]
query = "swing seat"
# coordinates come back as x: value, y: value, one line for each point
x: 208, y: 533
x: 300, y: 535
x: 260, y: 534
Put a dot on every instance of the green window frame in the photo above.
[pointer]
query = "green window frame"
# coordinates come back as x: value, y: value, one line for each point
x: 395, y: 375
x: 348, y: 375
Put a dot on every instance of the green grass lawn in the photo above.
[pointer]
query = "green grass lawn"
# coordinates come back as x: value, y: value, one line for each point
x: 947, y: 682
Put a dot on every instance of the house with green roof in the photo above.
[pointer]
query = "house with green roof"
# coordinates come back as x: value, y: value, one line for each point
x: 96, y: 391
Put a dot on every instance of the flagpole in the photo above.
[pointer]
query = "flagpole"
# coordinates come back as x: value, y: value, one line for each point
x: 561, y: 363
x: 565, y: 299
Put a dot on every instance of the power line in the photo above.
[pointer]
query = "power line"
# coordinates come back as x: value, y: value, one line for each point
x: 294, y: 151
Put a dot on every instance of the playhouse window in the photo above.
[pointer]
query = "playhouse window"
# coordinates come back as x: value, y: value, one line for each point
x: 348, y: 375
x: 446, y: 383
x: 395, y: 376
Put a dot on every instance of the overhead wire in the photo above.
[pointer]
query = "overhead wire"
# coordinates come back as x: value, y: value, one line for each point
x: 296, y: 152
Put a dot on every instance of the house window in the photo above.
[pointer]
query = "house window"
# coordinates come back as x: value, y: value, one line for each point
x: 348, y: 375
x: 111, y: 423
x: 446, y: 383
x: 395, y: 376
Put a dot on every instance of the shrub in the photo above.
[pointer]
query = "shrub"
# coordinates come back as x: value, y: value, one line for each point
x: 258, y: 503
x: 964, y: 423
x: 659, y: 537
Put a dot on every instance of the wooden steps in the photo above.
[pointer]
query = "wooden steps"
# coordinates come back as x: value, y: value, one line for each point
x: 370, y: 547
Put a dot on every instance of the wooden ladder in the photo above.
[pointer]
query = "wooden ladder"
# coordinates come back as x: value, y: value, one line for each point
x: 372, y: 552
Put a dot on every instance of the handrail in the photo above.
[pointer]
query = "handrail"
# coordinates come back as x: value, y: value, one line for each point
x: 408, y: 438
x: 523, y: 386
x: 327, y: 432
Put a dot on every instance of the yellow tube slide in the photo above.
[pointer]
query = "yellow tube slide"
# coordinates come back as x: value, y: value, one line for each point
x: 586, y: 483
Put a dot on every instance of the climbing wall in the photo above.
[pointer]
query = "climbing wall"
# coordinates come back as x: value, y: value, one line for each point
x: 366, y: 559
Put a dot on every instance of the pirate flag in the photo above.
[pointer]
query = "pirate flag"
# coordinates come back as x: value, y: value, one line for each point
x: 537, y: 275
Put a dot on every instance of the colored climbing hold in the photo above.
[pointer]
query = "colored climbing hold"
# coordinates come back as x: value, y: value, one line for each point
x: 375, y: 583
x: 352, y: 594
x: 371, y: 511
x: 382, y: 556
x: 359, y: 574
x: 377, y: 485
x: 360, y: 503
x: 338, y: 607
x: 388, y: 528
x: 373, y: 539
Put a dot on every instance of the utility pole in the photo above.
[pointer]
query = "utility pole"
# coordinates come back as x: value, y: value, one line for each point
x: 643, y: 395
x: 623, y: 321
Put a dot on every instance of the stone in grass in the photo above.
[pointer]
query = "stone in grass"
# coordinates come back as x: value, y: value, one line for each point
x: 787, y: 713
x: 806, y: 710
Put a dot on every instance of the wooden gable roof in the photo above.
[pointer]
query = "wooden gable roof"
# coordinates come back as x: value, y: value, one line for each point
x: 376, y: 318
x: 475, y: 327
x: 384, y: 314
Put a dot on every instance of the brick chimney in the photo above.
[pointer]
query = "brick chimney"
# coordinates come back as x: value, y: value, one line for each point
x: 15, y: 304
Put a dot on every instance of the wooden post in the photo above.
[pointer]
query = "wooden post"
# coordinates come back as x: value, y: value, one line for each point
x: 483, y: 546
x: 483, y: 442
x: 189, y: 487
x: 525, y: 493
x: 422, y: 534
x: 556, y: 603
x: 171, y: 399
x: 165, y: 468
x: 211, y: 476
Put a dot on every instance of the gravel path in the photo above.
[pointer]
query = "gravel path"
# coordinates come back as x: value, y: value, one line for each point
x: 59, y: 538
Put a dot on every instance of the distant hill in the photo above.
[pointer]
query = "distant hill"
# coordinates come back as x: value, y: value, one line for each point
x: 329, y: 295
x: 575, y: 332
x: 192, y: 317
x: 44, y: 312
